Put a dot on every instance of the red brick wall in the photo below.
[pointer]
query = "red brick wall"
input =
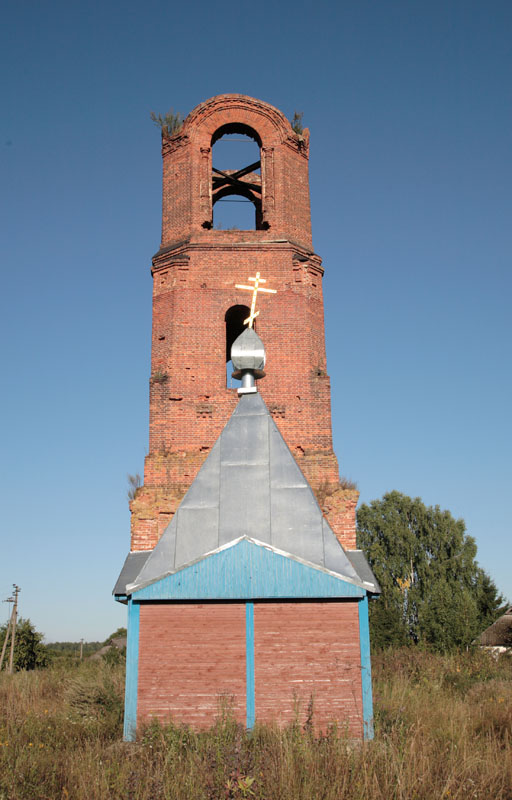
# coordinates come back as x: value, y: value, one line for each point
x: 189, y: 400
x: 195, y: 273
x: 191, y: 660
x: 304, y: 651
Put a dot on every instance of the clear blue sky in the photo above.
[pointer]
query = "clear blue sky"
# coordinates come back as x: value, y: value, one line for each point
x: 409, y: 107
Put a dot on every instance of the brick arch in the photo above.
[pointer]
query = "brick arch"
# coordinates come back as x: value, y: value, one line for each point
x: 236, y: 127
x: 207, y: 118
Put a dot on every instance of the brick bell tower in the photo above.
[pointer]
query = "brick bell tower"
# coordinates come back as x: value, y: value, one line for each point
x: 198, y: 311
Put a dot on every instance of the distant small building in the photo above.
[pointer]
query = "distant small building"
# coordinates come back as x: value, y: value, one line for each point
x: 117, y: 643
x: 498, y: 636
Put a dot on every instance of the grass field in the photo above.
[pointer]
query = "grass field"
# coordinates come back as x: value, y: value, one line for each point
x: 443, y: 730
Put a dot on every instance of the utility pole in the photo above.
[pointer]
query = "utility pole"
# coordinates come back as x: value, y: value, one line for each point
x: 81, y: 649
x: 13, y: 625
x: 7, y: 632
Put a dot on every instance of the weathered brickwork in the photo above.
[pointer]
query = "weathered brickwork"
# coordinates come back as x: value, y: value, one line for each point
x: 307, y: 664
x: 194, y: 273
x: 191, y: 662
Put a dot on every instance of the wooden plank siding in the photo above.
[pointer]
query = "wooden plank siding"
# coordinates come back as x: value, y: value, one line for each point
x: 304, y: 651
x: 247, y: 570
x: 192, y: 659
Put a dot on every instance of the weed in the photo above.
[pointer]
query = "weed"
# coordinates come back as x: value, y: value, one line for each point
x: 134, y: 483
x: 296, y: 122
x: 346, y: 483
x: 443, y: 729
x: 159, y: 376
x: 170, y: 123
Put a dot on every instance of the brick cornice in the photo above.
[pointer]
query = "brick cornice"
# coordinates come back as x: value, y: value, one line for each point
x: 176, y: 252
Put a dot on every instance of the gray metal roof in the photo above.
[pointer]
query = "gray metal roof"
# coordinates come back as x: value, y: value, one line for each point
x: 131, y: 568
x: 363, y: 569
x: 249, y: 486
x: 499, y: 634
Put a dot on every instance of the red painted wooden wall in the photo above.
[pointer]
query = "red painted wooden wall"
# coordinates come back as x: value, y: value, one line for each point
x: 192, y: 660
x: 304, y: 651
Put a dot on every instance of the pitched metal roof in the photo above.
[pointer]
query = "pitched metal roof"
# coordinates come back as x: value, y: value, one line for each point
x: 250, y: 486
x: 363, y: 569
x: 131, y: 568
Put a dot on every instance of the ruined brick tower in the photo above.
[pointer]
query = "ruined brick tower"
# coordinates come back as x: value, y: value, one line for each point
x: 240, y: 585
x: 198, y: 312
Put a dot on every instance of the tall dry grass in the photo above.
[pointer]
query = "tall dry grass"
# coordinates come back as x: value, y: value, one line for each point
x: 443, y: 730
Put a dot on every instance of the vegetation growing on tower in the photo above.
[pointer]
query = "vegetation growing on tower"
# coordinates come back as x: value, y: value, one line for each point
x: 170, y: 123
x: 296, y: 122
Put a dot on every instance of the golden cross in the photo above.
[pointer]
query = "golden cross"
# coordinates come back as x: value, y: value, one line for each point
x: 255, y: 289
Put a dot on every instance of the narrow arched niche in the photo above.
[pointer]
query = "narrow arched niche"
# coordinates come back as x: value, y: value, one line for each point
x: 235, y: 325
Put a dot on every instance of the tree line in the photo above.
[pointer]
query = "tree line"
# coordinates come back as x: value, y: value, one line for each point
x: 434, y: 593
x: 30, y: 652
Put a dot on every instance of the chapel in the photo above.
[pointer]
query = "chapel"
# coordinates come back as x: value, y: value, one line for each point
x: 243, y: 582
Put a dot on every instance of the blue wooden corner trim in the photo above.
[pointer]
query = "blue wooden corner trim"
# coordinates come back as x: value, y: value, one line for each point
x: 249, y: 665
x: 132, y: 672
x: 248, y: 571
x: 121, y: 598
x: 366, y: 668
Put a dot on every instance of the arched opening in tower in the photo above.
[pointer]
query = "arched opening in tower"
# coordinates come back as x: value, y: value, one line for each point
x: 235, y: 211
x: 236, y: 178
x: 234, y: 319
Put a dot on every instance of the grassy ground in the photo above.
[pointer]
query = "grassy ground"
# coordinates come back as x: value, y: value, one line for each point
x: 443, y: 730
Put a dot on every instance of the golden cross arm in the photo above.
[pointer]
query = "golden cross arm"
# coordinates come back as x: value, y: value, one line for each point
x: 254, y: 289
x: 260, y: 288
